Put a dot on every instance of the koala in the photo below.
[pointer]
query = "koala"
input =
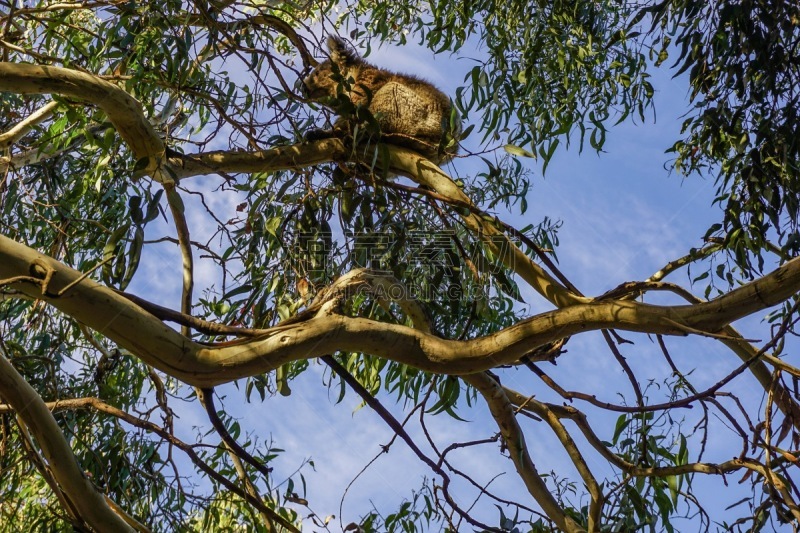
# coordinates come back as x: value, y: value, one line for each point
x: 411, y: 112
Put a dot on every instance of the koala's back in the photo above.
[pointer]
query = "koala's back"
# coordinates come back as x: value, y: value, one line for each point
x: 405, y: 106
x: 411, y: 112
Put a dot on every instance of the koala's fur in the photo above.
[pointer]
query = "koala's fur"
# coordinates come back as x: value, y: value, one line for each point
x: 411, y: 112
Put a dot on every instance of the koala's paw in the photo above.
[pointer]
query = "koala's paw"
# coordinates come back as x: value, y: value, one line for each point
x: 318, y: 134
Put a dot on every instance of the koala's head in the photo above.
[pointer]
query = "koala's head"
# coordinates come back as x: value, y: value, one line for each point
x: 325, y: 78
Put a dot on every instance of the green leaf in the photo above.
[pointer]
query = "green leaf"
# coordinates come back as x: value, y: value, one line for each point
x: 272, y: 226
x: 622, y: 422
x: 134, y: 256
x: 109, y: 251
x: 152, y: 207
x: 242, y: 289
x: 517, y: 151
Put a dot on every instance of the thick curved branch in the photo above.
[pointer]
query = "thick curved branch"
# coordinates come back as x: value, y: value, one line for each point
x: 293, y: 157
x: 123, y: 110
x: 84, y: 497
x: 136, y: 330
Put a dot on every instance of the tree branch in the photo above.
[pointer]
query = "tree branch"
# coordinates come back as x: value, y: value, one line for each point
x: 100, y: 406
x: 87, y: 501
x: 143, y: 334
x: 176, y: 206
x: 24, y: 126
x: 503, y: 413
x: 122, y: 109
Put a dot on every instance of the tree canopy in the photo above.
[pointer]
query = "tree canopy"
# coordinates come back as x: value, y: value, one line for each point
x: 146, y: 145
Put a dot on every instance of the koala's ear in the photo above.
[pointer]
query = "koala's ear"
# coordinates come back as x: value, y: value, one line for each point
x: 340, y: 52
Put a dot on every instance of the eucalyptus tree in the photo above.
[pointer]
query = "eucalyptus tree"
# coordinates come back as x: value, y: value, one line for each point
x: 127, y: 126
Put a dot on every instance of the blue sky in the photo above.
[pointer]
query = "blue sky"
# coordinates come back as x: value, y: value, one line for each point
x: 625, y: 216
